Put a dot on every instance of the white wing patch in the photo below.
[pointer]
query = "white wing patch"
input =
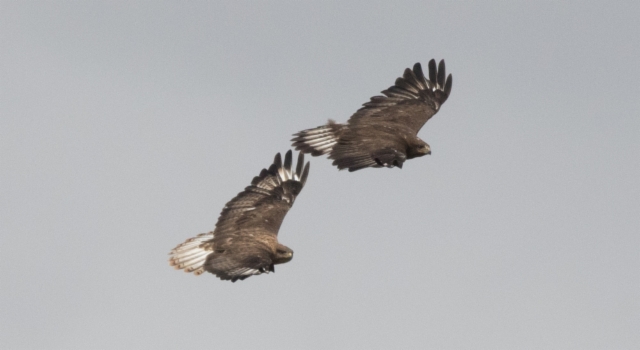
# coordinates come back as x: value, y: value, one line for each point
x: 246, y: 271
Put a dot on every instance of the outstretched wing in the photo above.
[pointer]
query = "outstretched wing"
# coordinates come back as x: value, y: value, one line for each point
x: 262, y: 206
x: 245, y: 236
x: 408, y: 104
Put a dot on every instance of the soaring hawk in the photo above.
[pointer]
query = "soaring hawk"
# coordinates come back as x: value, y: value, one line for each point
x: 245, y: 240
x: 384, y: 132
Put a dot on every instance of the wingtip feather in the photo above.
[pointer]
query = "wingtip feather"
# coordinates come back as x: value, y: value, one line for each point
x: 287, y: 166
x: 277, y: 160
x: 448, y: 85
x: 441, y: 74
x: 433, y: 71
x: 299, y: 164
x: 305, y: 174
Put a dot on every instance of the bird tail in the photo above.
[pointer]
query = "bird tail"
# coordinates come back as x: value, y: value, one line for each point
x: 191, y: 255
x: 318, y: 141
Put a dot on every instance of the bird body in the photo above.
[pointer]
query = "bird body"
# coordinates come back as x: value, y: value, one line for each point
x: 245, y: 240
x: 383, y: 133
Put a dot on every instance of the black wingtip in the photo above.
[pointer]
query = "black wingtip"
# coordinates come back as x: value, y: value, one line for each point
x: 299, y: 164
x: 433, y: 71
x: 277, y: 161
x: 448, y: 85
x: 417, y: 67
x: 305, y: 173
x: 287, y: 161
x: 417, y: 70
x: 441, y: 73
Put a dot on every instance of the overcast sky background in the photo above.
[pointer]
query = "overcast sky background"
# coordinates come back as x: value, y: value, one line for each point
x: 125, y: 128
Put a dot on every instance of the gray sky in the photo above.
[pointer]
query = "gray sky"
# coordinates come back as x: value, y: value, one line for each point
x: 126, y: 127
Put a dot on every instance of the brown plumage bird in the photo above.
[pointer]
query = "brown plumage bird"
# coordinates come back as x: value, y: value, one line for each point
x: 384, y: 132
x: 245, y: 240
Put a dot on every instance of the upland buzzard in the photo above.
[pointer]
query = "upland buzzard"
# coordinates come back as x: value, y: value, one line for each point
x: 384, y: 132
x: 245, y: 240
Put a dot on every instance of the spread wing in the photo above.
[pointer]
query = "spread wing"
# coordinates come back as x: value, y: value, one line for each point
x: 262, y: 206
x: 408, y: 104
x: 245, y: 236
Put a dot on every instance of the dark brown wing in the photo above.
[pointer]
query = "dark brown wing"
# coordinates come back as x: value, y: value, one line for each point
x: 408, y: 104
x: 242, y: 259
x: 262, y: 206
x: 245, y: 236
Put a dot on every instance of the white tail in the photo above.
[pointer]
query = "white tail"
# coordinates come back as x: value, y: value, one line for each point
x: 317, y: 141
x: 191, y: 255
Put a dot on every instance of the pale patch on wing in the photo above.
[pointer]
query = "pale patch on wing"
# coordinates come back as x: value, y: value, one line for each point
x: 246, y: 271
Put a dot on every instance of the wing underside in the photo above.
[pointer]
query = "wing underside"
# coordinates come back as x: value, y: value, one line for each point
x: 410, y: 102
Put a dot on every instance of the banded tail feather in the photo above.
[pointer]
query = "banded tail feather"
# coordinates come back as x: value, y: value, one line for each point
x: 318, y: 141
x: 191, y: 255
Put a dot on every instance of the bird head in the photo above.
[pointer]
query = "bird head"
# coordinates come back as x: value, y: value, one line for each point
x: 419, y: 150
x: 283, y: 254
x: 424, y: 149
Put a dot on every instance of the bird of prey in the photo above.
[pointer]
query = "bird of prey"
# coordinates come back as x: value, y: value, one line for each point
x: 245, y: 240
x: 384, y: 132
